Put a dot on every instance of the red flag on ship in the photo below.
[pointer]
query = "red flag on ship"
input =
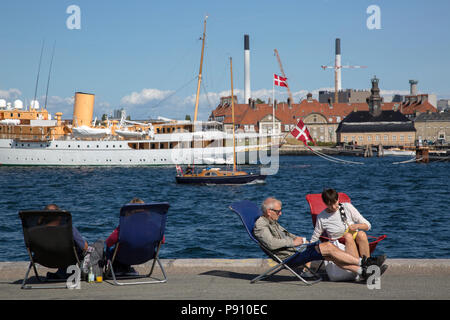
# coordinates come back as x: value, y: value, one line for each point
x: 301, y: 132
x: 279, y: 81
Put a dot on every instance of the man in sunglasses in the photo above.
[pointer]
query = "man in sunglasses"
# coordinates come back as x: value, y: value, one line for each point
x: 284, y: 244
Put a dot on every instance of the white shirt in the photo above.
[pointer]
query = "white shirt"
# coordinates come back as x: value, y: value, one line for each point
x: 332, y: 224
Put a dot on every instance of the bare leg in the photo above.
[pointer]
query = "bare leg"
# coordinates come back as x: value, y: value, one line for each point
x: 350, y: 245
x: 363, y: 244
x: 339, y: 257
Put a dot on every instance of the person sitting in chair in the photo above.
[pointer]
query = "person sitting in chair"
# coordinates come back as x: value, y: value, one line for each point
x: 111, y: 241
x: 343, y: 220
x: 81, y: 245
x: 284, y: 244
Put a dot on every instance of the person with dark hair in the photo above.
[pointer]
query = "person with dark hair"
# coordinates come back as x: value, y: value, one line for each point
x: 343, y: 220
x: 284, y: 244
x: 111, y: 241
x: 81, y: 245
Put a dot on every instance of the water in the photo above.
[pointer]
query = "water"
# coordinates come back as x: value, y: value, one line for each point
x: 407, y: 202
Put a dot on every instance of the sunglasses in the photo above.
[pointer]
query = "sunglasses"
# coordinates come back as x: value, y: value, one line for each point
x: 276, y: 211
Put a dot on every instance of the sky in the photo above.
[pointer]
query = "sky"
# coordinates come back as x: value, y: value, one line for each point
x: 144, y: 55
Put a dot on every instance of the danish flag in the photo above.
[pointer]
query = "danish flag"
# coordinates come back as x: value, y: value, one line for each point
x: 279, y: 81
x: 179, y: 170
x: 300, y: 132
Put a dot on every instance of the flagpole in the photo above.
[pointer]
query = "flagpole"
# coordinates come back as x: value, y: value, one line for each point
x: 273, y: 106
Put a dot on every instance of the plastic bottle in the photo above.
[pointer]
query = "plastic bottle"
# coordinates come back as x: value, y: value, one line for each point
x: 91, y: 277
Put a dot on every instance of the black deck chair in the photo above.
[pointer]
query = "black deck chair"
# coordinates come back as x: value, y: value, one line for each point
x: 141, y: 233
x: 49, y: 241
x: 249, y: 213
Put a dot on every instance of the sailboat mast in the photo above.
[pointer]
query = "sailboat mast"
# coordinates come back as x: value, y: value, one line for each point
x: 232, y: 113
x: 200, y: 71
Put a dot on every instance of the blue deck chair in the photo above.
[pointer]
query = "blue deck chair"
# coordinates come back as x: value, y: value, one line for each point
x: 141, y: 233
x: 249, y: 212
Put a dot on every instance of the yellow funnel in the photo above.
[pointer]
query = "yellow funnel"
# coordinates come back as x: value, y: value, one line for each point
x: 83, y: 109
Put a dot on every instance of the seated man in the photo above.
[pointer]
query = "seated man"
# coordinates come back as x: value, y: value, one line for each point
x: 283, y: 244
x: 343, y: 220
x: 81, y: 245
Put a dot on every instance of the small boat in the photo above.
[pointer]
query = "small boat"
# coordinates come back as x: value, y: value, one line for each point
x: 398, y: 152
x: 88, y: 132
x: 217, y: 176
x: 131, y: 134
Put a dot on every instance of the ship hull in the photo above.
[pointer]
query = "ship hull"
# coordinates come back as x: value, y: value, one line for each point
x: 242, y: 179
x: 111, y: 153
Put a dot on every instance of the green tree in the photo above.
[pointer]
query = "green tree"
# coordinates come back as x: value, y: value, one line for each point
x: 188, y: 117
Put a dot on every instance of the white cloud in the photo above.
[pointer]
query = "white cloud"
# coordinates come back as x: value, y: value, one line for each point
x: 10, y: 94
x: 145, y: 96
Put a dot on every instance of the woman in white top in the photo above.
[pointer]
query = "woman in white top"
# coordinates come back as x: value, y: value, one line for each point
x: 350, y: 224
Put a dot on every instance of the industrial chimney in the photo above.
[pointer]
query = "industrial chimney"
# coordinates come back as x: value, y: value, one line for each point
x: 338, y: 64
x: 247, y: 93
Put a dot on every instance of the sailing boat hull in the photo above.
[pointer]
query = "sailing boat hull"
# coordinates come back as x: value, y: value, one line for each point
x: 241, y: 179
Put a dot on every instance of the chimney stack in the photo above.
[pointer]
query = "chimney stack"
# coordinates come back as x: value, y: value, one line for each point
x: 413, y: 87
x: 338, y: 65
x: 247, y: 93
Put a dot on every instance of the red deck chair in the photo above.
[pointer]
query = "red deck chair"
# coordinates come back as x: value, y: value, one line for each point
x: 317, y: 205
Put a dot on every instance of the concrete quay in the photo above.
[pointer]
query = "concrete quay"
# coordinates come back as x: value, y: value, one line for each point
x: 229, y: 279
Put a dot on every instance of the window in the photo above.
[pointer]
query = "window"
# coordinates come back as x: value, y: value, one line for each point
x: 385, y: 137
x: 369, y: 138
x: 402, y: 138
x: 394, y: 138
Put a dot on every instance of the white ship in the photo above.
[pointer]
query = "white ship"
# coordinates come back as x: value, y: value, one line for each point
x: 31, y: 137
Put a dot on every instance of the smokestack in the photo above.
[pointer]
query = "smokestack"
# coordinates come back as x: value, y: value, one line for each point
x: 413, y: 89
x: 247, y: 93
x: 338, y: 64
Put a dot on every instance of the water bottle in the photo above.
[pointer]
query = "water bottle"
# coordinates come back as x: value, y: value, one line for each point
x: 91, y: 277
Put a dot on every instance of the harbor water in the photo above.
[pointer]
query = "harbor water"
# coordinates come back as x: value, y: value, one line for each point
x: 408, y: 202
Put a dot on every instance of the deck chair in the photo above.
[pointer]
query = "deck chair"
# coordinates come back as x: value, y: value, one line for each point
x: 141, y: 233
x: 49, y: 242
x: 317, y: 205
x: 249, y: 212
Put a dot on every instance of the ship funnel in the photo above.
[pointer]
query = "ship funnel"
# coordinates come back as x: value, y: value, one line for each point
x: 83, y: 109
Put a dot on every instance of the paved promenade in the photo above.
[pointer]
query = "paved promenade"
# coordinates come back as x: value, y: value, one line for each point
x: 226, y: 279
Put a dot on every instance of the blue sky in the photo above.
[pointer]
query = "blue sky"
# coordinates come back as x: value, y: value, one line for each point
x: 144, y: 55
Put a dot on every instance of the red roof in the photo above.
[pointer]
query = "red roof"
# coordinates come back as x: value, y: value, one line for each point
x: 246, y: 115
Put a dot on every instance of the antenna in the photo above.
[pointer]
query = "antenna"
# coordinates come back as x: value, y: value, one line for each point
x: 49, y: 73
x: 39, y: 70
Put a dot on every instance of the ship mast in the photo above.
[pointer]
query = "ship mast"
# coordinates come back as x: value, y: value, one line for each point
x: 232, y: 113
x: 200, y: 71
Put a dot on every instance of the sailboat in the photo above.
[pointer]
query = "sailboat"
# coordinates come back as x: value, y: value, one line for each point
x: 216, y: 175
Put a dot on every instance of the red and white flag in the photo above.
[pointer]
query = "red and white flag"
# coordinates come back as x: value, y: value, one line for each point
x: 301, y: 132
x: 179, y: 170
x: 279, y: 81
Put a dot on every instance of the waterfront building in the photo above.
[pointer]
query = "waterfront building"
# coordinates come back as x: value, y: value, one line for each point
x: 376, y: 126
x: 432, y: 126
x: 322, y: 119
